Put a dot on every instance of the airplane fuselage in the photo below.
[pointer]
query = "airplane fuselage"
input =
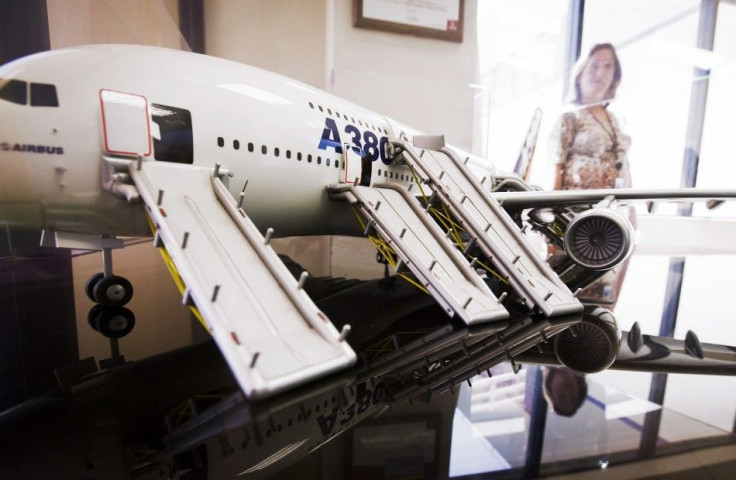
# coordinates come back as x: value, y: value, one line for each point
x: 70, y: 119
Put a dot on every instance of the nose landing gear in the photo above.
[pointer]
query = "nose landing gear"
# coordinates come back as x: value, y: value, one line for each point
x: 110, y: 293
x: 112, y: 322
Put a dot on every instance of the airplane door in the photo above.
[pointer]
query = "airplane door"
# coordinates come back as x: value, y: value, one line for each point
x: 125, y: 125
x: 352, y: 166
x: 366, y: 169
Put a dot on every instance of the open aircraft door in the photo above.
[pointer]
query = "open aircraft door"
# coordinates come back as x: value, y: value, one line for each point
x: 352, y: 166
x: 125, y: 126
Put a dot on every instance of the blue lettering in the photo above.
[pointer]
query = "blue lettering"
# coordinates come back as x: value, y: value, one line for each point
x: 360, y: 142
x: 330, y: 137
x: 355, y: 133
x: 327, y: 422
x: 364, y: 402
x: 29, y: 148
x: 350, y: 412
x: 371, y: 144
x: 382, y: 150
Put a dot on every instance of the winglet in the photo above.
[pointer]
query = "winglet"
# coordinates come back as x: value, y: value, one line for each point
x: 634, y: 339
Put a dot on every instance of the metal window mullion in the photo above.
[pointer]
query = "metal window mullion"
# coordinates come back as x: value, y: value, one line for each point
x: 537, y: 423
x: 574, y: 41
x: 693, y: 140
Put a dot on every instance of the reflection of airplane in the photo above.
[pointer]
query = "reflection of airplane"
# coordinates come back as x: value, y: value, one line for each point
x: 417, y: 356
x: 181, y: 415
x: 88, y: 133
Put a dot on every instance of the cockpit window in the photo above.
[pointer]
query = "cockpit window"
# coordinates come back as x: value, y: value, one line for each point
x: 43, y: 95
x: 15, y: 91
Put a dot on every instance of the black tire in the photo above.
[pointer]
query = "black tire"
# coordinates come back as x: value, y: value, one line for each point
x: 89, y: 287
x: 92, y: 315
x: 115, y: 322
x: 112, y: 291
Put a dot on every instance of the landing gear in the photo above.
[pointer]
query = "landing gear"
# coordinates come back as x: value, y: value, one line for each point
x: 388, y: 282
x: 115, y: 322
x: 90, y: 285
x: 110, y: 293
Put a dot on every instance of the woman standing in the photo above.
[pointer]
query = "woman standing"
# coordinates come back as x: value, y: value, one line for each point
x: 589, y: 148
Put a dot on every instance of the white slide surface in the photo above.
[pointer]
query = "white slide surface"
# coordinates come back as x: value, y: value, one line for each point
x: 268, y: 329
x: 424, y: 250
x: 494, y: 231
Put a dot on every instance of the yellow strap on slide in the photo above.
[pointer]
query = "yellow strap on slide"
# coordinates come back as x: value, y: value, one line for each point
x: 175, y: 275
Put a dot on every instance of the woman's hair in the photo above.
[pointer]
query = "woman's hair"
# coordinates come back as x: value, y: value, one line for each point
x: 579, y: 393
x: 575, y: 95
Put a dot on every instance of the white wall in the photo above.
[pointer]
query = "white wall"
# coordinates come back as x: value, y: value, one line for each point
x: 419, y: 81
x: 286, y: 37
x: 422, y: 82
x: 147, y: 22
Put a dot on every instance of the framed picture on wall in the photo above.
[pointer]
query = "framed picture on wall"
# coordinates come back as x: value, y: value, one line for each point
x: 439, y: 19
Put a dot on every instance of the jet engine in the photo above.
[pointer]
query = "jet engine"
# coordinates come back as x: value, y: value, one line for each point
x: 598, y: 239
x: 590, y: 346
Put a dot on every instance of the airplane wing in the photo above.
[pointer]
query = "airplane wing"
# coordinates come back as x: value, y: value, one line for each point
x: 520, y: 200
x: 649, y: 353
x: 585, y: 223
x: 669, y: 355
x: 268, y: 329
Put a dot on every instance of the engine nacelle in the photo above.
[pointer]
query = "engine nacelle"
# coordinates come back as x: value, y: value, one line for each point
x: 598, y: 239
x: 590, y: 346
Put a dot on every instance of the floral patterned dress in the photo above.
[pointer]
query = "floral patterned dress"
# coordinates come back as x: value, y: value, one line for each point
x: 593, y: 154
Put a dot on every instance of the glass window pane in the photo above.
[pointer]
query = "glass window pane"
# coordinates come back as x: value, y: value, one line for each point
x: 716, y: 167
x: 15, y: 91
x: 653, y: 99
x: 521, y: 49
x: 43, y: 95
x: 708, y: 279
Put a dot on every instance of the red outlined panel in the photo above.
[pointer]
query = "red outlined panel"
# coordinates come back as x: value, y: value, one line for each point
x: 352, y: 165
x: 125, y: 125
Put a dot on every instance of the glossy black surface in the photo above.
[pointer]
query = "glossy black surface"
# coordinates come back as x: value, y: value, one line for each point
x: 406, y: 411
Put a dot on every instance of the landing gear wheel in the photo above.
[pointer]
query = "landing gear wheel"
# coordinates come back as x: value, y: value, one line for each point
x: 90, y: 285
x: 112, y: 322
x: 112, y: 291
x: 92, y: 315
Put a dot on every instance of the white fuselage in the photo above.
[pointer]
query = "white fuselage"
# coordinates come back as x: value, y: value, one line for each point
x: 285, y: 138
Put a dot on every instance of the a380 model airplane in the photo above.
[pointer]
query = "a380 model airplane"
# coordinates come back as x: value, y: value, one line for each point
x: 213, y: 158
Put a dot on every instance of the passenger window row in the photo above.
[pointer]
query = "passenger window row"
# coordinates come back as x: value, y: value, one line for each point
x: 301, y: 417
x: 277, y: 152
x: 350, y: 119
x: 399, y: 176
x: 16, y: 91
x: 318, y: 159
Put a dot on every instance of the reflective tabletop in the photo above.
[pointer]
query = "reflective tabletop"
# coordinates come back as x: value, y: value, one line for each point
x: 429, y: 398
